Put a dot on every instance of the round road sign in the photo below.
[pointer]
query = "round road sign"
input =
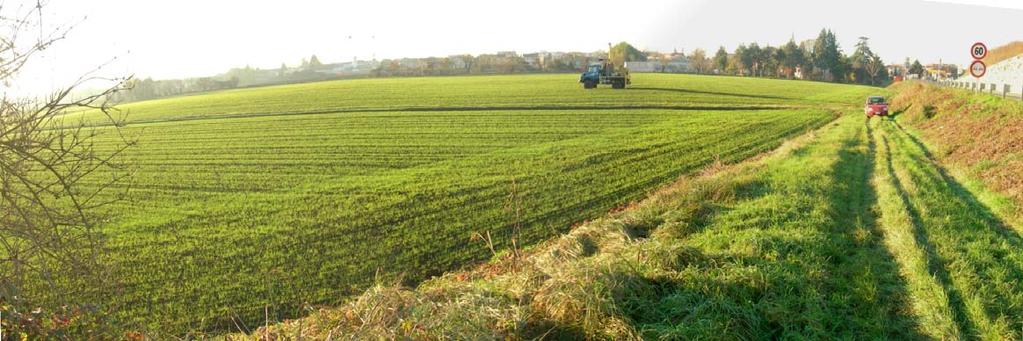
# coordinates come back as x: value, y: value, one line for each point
x: 978, y: 69
x: 978, y: 50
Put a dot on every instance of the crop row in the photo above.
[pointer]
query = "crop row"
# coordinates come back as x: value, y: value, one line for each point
x: 244, y: 226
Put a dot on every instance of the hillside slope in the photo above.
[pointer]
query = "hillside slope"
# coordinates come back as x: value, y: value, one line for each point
x: 855, y: 231
x: 1004, y: 52
x: 977, y: 136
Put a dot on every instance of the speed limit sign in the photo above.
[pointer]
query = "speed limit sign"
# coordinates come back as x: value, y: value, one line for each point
x: 978, y: 51
x: 978, y: 69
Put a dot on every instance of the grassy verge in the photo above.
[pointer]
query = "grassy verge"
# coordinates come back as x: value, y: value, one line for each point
x: 965, y: 264
x: 929, y: 298
x: 976, y: 137
x: 781, y: 247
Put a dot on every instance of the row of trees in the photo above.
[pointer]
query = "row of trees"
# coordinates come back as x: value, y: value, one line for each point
x: 506, y: 62
x: 820, y: 59
x: 312, y: 69
x: 142, y: 89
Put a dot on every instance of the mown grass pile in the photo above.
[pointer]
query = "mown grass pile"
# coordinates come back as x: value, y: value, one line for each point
x: 249, y: 205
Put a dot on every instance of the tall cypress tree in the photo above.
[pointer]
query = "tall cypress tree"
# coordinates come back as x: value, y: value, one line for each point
x: 827, y: 55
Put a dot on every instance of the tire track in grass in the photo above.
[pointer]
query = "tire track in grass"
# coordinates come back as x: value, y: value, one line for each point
x: 795, y: 255
x: 986, y: 213
x: 974, y: 255
x: 928, y: 295
x: 870, y: 266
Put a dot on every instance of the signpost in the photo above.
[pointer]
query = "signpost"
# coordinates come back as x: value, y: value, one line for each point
x: 978, y: 69
x: 978, y: 51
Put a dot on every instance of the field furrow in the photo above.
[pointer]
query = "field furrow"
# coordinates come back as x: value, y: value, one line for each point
x: 412, y: 222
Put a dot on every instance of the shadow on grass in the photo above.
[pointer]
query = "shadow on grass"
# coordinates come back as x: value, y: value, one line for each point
x: 979, y: 230
x: 867, y: 258
x: 935, y: 265
x: 552, y: 330
x: 988, y: 216
x: 766, y: 269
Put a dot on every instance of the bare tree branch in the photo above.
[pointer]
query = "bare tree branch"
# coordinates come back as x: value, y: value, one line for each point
x: 53, y: 181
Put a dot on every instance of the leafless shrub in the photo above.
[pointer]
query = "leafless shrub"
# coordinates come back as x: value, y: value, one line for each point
x: 53, y: 182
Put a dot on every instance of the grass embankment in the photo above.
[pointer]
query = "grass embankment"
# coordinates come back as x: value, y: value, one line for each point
x: 1004, y: 52
x: 785, y: 246
x: 978, y: 138
x: 952, y: 213
x: 963, y: 263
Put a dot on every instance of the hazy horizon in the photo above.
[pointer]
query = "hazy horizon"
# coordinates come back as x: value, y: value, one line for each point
x: 165, y: 40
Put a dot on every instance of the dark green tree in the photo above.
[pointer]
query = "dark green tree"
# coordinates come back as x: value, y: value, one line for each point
x: 721, y: 60
x: 790, y: 57
x: 827, y: 56
x: 752, y: 59
x: 769, y: 61
x: 916, y: 68
x: 741, y: 60
x: 843, y: 71
x: 859, y: 61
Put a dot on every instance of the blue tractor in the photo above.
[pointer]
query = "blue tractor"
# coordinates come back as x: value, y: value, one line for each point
x: 605, y: 72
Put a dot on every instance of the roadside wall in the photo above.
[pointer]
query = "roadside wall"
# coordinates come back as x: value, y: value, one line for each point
x: 1004, y: 78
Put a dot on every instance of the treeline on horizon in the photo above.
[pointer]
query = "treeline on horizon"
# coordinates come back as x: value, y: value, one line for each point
x: 820, y: 59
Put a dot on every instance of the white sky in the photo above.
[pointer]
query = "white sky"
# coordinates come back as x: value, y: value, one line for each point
x: 189, y: 38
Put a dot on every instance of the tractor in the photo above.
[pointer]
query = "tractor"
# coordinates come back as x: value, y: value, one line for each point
x: 605, y: 72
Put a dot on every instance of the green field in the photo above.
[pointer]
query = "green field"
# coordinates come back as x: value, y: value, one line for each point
x: 492, y: 92
x: 250, y: 203
x: 855, y: 231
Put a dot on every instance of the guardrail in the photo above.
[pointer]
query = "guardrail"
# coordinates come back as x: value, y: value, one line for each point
x: 980, y: 86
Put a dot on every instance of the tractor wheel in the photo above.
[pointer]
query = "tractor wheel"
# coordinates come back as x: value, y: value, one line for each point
x: 618, y: 84
x: 589, y: 85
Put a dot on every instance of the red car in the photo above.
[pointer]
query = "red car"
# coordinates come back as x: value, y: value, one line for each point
x: 876, y: 106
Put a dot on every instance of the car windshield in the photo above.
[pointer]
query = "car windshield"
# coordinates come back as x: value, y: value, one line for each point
x: 876, y: 100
